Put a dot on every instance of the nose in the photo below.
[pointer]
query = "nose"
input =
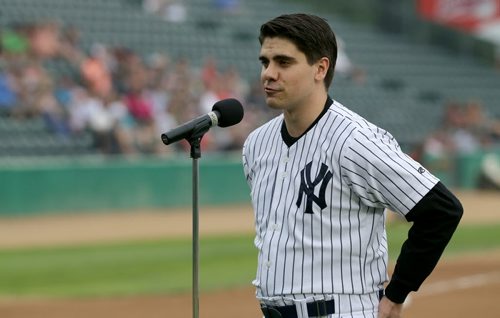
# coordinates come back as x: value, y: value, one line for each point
x: 269, y: 73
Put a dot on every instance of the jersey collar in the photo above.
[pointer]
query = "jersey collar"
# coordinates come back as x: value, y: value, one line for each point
x: 289, y: 140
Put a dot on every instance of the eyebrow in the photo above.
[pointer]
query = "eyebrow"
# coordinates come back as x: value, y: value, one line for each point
x: 279, y: 57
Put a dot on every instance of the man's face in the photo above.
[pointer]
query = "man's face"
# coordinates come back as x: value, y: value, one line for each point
x: 287, y: 78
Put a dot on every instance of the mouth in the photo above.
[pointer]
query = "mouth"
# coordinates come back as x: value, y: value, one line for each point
x: 270, y: 90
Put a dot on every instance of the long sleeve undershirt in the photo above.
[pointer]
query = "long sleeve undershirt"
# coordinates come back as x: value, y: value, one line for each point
x: 435, y: 218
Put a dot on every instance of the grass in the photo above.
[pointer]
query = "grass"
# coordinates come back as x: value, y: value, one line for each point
x: 165, y: 266
x: 125, y: 268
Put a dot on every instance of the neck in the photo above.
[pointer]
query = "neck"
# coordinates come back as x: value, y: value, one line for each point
x: 298, y: 119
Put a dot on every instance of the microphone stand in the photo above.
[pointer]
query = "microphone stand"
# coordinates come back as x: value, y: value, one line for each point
x: 195, y: 153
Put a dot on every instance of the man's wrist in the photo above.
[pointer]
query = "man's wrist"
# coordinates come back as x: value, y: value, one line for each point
x: 397, y: 292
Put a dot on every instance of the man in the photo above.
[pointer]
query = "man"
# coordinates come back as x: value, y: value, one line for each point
x: 321, y: 178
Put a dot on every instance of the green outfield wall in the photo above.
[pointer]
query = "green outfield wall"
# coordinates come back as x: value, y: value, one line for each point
x: 116, y: 184
x: 466, y: 171
x: 100, y: 184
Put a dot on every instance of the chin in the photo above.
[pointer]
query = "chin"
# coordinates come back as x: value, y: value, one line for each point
x: 274, y: 103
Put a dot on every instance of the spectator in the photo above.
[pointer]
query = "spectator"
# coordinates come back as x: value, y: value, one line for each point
x: 8, y: 98
x: 110, y: 126
x: 456, y: 123
x: 140, y: 106
x: 465, y: 130
x: 96, y: 73
x: 80, y: 110
x: 123, y: 101
x: 209, y: 71
x: 153, y: 6
x: 344, y: 66
x: 495, y: 132
x: 233, y: 85
x: 175, y: 11
x: 478, y: 123
x: 437, y: 152
x: 32, y: 82
x: 227, y: 6
x: 208, y: 97
x: 170, y: 10
x: 52, y: 112
x: 14, y: 41
x: 44, y: 40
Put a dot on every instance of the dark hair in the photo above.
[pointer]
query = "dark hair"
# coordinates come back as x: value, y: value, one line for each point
x: 311, y: 34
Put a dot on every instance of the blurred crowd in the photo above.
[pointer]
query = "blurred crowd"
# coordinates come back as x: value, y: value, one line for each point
x: 176, y: 11
x: 465, y: 129
x: 124, y: 100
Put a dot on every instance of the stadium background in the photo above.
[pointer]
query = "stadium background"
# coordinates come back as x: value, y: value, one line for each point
x: 86, y: 88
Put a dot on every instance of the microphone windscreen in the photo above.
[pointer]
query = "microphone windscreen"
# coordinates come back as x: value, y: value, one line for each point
x: 231, y: 112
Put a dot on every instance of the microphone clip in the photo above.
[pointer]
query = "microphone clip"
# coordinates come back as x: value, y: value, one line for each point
x: 195, y: 139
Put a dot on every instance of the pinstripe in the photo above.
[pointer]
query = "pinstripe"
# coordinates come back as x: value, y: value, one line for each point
x: 308, y: 153
x: 362, y: 305
x: 294, y: 240
x: 332, y: 196
x: 288, y: 235
x: 270, y: 211
x: 350, y: 304
x: 341, y: 208
x: 321, y: 216
x: 370, y: 239
x: 340, y: 249
x: 318, y: 145
x: 369, y: 189
x: 384, y: 174
x: 396, y: 197
x: 361, y: 272
x: 381, y: 272
x: 264, y: 171
x: 281, y: 231
x: 398, y: 163
x: 350, y: 239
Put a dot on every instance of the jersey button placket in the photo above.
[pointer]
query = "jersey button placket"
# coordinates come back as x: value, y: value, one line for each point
x: 284, y: 162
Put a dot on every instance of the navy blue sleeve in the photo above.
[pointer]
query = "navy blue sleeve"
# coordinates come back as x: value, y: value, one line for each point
x: 435, y: 218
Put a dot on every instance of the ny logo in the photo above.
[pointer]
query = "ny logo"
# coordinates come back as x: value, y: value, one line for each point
x: 307, y: 187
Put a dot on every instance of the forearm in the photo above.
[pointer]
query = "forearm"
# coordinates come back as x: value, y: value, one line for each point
x: 435, y: 219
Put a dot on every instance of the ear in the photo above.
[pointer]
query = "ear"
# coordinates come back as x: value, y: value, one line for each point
x: 322, y: 66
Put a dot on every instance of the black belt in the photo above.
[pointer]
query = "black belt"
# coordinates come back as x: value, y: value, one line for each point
x: 314, y: 309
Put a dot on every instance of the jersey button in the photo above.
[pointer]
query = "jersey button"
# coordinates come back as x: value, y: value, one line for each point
x: 268, y: 264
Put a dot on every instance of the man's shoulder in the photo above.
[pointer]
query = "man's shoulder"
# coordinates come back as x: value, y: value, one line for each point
x: 348, y: 114
x: 270, y: 127
x: 351, y: 115
x: 359, y: 124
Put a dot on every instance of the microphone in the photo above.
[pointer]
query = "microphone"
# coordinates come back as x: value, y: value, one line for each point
x: 225, y: 113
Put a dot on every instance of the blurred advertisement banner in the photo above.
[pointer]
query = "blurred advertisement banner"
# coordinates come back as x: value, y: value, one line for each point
x: 468, y: 15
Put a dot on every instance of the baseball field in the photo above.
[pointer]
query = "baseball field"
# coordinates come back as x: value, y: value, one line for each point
x: 138, y: 264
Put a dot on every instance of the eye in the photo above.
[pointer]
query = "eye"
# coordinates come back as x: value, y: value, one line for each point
x: 265, y: 63
x: 284, y: 62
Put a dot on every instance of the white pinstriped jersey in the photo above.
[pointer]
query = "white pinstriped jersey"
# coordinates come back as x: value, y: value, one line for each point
x: 320, y: 203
